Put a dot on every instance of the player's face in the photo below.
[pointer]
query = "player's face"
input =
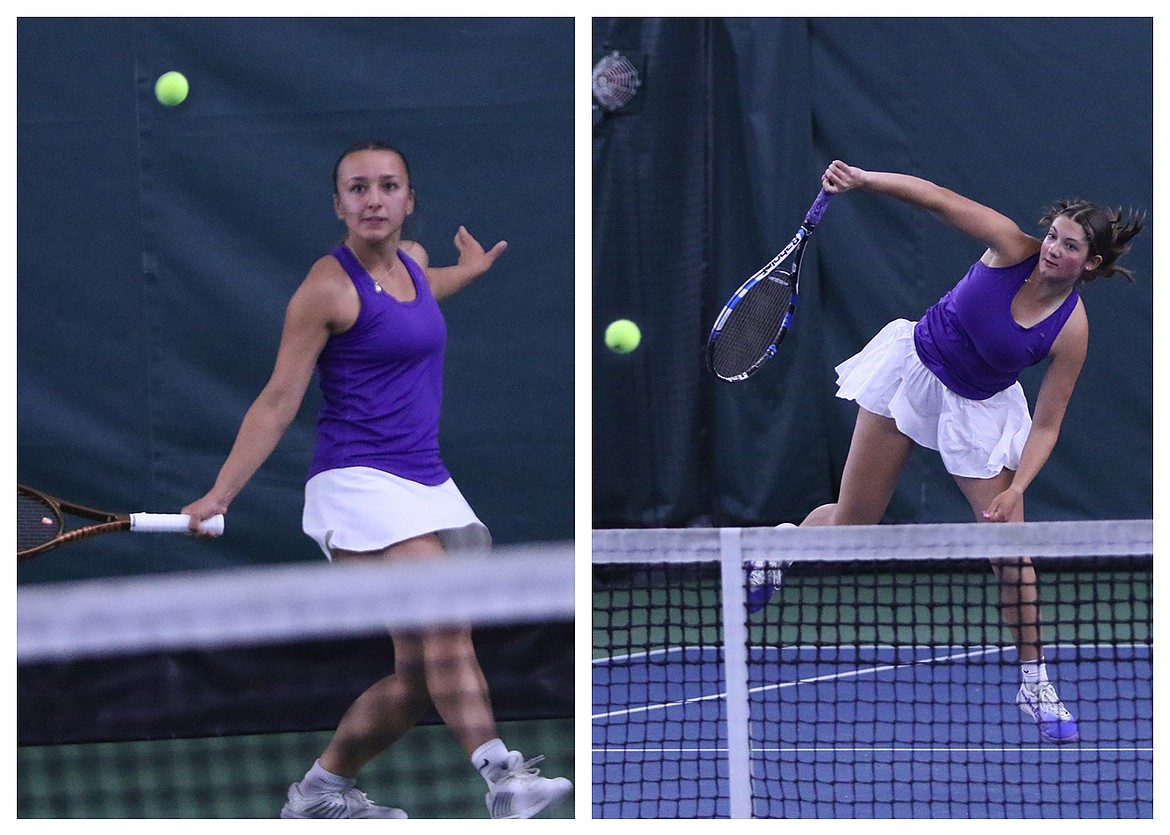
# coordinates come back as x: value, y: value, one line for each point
x: 1064, y: 252
x: 373, y: 195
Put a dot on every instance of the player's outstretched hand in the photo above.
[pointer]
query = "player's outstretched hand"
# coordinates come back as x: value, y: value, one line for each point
x: 472, y: 254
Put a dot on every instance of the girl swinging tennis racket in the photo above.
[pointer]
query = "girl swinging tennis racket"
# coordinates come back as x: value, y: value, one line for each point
x: 950, y: 383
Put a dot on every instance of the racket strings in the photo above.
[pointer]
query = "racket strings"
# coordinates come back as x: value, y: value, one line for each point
x: 749, y: 335
x: 37, y: 522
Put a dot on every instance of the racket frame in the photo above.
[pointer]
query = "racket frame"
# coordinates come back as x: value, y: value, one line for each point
x: 794, y: 250
x: 105, y: 522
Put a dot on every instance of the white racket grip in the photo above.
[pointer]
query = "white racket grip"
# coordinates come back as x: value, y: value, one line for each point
x: 172, y: 523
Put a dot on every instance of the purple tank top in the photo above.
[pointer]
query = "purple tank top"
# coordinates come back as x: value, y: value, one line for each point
x: 382, y: 382
x: 970, y: 340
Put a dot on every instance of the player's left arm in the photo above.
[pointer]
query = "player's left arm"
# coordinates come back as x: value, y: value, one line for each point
x: 1067, y: 358
x: 473, y: 262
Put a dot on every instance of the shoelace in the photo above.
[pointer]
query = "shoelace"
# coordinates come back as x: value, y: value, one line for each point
x: 361, y: 797
x: 1047, y: 698
x: 516, y: 766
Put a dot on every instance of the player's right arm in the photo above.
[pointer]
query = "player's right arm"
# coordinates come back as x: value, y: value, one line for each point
x: 1006, y: 243
x: 321, y: 306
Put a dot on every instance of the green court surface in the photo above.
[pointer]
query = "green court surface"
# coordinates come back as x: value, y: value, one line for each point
x: 425, y: 773
x: 907, y: 608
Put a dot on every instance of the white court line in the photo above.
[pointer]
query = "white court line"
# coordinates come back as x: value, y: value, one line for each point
x: 838, y: 749
x: 840, y: 675
x: 908, y: 749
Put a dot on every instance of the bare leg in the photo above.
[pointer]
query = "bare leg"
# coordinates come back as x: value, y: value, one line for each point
x: 382, y: 714
x: 877, y: 454
x: 1018, y: 595
x: 458, y: 688
x: 438, y: 667
x: 1019, y: 602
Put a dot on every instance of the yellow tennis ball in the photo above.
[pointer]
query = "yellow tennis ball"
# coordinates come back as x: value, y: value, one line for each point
x: 171, y: 88
x: 622, y: 336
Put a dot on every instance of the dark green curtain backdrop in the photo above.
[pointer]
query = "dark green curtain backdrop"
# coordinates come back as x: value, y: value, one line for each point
x: 706, y: 178
x: 158, y: 247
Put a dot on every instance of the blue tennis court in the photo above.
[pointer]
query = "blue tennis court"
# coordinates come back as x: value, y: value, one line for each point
x: 874, y: 732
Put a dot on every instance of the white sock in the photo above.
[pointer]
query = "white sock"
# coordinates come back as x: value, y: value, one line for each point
x: 489, y: 759
x: 318, y: 781
x: 1035, y: 674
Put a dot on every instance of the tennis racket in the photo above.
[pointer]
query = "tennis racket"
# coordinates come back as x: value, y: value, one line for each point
x: 40, y: 522
x: 755, y: 319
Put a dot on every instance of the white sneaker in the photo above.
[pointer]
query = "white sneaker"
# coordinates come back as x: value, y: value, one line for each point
x: 521, y: 792
x: 764, y: 579
x: 347, y: 804
x: 1056, y: 724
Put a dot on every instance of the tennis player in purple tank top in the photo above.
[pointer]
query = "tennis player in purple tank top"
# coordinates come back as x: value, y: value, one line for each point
x: 366, y: 319
x: 949, y: 382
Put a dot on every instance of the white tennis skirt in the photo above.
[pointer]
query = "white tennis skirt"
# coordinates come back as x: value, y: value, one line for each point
x: 976, y: 438
x: 363, y: 509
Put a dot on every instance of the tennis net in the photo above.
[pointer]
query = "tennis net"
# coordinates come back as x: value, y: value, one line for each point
x: 880, y: 679
x: 206, y: 694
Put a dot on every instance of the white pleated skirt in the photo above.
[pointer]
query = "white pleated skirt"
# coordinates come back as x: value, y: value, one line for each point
x: 363, y: 509
x: 976, y: 438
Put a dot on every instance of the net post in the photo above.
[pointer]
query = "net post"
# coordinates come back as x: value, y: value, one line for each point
x: 735, y: 672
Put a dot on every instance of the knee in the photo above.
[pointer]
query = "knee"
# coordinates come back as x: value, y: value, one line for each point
x: 446, y: 648
x: 842, y: 514
x: 823, y: 515
x: 395, y: 695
